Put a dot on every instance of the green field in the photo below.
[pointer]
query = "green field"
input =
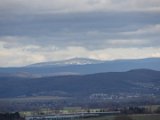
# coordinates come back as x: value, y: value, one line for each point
x: 134, y: 117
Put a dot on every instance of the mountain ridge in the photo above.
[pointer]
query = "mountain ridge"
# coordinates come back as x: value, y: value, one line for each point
x: 72, y: 61
x: 105, y: 66
x: 142, y: 81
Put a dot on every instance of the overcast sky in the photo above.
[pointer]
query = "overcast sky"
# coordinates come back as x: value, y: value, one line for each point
x: 34, y: 31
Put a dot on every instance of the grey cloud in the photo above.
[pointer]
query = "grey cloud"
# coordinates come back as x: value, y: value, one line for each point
x: 72, y: 6
x: 30, y: 24
x: 69, y: 27
x: 50, y: 24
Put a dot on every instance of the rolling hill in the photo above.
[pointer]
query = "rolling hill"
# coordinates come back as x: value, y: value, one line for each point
x: 134, y: 81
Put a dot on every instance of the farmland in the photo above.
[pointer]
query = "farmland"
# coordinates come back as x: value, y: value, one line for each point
x: 134, y: 117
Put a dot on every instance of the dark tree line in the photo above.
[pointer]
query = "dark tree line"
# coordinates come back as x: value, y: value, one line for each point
x: 134, y: 110
x: 10, y: 116
x: 139, y: 110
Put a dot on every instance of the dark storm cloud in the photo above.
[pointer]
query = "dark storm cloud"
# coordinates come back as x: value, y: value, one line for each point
x: 83, y: 29
x: 50, y: 23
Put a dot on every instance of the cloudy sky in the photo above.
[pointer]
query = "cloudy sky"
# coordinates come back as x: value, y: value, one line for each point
x: 34, y: 31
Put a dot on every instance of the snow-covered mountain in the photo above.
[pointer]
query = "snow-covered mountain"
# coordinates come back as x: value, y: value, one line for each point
x: 73, y: 61
x: 83, y: 66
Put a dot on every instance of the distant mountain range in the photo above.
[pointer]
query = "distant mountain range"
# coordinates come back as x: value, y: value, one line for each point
x: 80, y: 66
x: 137, y: 81
x: 73, y: 61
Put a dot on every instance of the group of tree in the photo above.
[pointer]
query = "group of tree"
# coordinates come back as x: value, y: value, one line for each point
x: 134, y: 110
x: 11, y: 116
x: 139, y: 110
